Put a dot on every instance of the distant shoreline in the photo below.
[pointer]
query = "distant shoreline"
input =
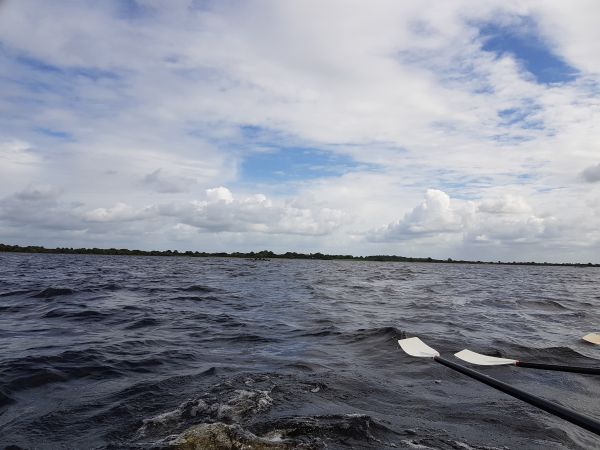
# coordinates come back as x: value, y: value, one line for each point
x: 265, y: 255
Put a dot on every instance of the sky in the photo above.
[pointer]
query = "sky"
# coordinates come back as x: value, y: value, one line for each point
x: 463, y: 129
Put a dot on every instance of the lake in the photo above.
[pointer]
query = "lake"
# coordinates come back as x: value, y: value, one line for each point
x: 145, y: 352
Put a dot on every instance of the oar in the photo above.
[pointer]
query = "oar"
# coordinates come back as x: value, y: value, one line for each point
x: 484, y: 360
x: 415, y: 347
x: 592, y: 338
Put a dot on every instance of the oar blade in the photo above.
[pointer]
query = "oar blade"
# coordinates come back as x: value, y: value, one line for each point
x: 592, y: 338
x: 416, y: 347
x: 483, y: 360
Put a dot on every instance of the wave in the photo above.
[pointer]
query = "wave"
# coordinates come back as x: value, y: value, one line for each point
x: 329, y: 331
x: 27, y: 373
x: 200, y: 288
x: 53, y: 292
x: 13, y: 308
x: 544, y: 305
x: 380, y: 333
x: 143, y: 323
x: 222, y: 435
x: 35, y: 378
x: 554, y: 355
x: 286, y: 433
x: 87, y: 315
x: 193, y: 298
x: 246, y: 338
x: 15, y: 293
x: 5, y: 400
x: 356, y: 427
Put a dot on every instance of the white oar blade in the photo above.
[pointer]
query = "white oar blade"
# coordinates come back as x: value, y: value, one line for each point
x: 416, y: 347
x: 593, y: 338
x: 483, y: 360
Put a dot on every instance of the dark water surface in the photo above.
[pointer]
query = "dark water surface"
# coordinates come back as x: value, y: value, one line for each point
x: 130, y: 352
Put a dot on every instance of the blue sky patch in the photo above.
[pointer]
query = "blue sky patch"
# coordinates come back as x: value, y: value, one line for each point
x: 294, y: 164
x: 40, y: 66
x: 521, y: 117
x: 524, y: 43
x: 526, y: 178
x: 457, y: 183
x: 54, y: 133
x: 510, y: 139
x: 131, y: 10
x: 274, y: 157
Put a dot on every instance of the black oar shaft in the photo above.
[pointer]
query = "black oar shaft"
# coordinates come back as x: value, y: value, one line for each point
x: 576, y: 369
x: 586, y: 422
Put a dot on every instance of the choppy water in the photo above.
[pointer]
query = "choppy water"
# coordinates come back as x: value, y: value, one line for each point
x: 130, y: 352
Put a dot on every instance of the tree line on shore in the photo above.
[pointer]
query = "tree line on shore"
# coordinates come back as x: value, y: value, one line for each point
x: 261, y: 255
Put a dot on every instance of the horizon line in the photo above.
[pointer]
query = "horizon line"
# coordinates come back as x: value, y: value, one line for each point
x: 266, y: 254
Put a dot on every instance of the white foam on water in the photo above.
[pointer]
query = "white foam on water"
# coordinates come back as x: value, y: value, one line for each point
x: 413, y: 444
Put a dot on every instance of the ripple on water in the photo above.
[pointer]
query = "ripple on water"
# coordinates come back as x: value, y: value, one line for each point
x: 53, y: 292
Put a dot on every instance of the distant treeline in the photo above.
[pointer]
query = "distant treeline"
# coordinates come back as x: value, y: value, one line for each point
x: 264, y: 254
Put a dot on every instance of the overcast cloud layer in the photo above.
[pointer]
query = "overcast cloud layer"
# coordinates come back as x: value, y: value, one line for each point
x: 461, y: 129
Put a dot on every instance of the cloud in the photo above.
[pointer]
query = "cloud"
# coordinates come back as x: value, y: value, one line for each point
x: 435, y: 215
x: 507, y: 204
x: 591, y: 174
x: 39, y: 207
x: 223, y: 195
x: 120, y: 212
x: 18, y: 161
x: 502, y: 220
x: 220, y: 211
x: 39, y: 193
x: 167, y: 184
x: 17, y: 152
x: 217, y: 211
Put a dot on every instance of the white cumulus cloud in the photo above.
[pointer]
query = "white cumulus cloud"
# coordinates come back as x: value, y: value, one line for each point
x: 220, y: 211
x: 437, y: 214
x: 503, y: 220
